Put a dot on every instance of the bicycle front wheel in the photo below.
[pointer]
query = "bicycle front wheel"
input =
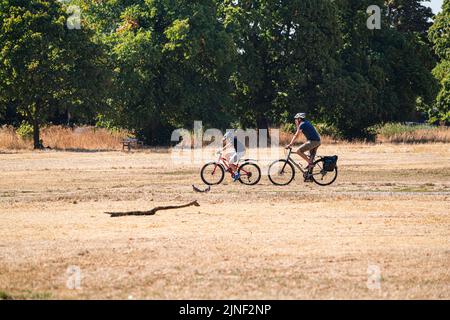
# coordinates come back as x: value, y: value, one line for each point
x: 281, y: 173
x: 322, y: 177
x: 212, y: 174
x: 250, y: 174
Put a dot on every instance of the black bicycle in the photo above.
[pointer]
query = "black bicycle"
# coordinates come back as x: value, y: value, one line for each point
x: 324, y: 171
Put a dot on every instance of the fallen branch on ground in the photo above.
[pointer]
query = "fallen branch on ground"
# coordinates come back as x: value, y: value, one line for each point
x: 202, y: 191
x: 151, y: 212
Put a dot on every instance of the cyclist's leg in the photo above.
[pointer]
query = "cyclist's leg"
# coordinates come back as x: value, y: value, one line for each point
x: 233, y: 162
x: 312, y: 153
x: 239, y: 156
x: 312, y: 147
x: 303, y: 148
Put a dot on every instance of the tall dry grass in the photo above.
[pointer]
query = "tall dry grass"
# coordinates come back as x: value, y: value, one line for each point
x: 10, y: 140
x: 390, y: 133
x: 63, y: 138
x: 91, y: 138
x: 284, y: 139
x: 398, y: 133
x: 83, y: 138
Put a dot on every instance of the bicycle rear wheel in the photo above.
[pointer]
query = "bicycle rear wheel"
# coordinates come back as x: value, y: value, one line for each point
x: 250, y: 174
x: 212, y: 173
x: 322, y: 177
x: 281, y: 173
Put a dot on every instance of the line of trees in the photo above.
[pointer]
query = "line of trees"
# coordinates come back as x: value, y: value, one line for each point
x: 154, y: 65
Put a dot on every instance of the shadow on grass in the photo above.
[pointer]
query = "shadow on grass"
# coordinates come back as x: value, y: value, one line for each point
x: 26, y: 295
x: 157, y: 149
x: 78, y: 150
x: 81, y: 150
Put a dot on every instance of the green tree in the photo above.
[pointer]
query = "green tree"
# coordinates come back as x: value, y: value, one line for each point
x: 286, y: 50
x: 439, y: 35
x: 44, y: 65
x: 172, y: 61
x: 410, y: 16
x: 382, y: 73
x: 413, y: 19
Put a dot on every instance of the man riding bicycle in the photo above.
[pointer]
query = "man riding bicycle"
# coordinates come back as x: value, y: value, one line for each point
x: 312, y: 137
x: 236, y: 151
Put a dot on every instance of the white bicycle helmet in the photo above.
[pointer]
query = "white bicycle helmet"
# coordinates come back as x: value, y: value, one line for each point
x: 228, y: 136
x: 300, y: 116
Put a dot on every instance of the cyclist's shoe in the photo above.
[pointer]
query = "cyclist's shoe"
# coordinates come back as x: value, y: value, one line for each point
x: 308, y: 177
x: 236, y: 176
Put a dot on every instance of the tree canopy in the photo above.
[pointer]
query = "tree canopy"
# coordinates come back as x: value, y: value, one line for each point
x: 155, y: 65
x: 45, y: 66
x: 439, y: 35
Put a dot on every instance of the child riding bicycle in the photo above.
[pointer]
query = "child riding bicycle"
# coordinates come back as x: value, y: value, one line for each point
x: 235, y: 150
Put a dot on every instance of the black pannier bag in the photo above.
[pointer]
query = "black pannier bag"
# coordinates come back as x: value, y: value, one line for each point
x: 329, y: 163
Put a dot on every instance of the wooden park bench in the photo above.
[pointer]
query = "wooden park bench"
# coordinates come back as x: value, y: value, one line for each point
x: 131, y: 143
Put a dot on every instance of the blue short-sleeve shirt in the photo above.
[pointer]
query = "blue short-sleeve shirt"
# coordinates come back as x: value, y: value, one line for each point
x: 309, y: 131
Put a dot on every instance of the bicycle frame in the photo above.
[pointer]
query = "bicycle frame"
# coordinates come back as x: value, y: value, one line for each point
x: 290, y: 160
x: 225, y: 163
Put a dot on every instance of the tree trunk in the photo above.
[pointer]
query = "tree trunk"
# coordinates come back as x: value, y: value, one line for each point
x: 36, y: 134
x: 263, y: 123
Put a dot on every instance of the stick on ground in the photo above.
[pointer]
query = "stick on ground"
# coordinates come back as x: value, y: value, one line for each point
x: 202, y: 191
x: 151, y: 212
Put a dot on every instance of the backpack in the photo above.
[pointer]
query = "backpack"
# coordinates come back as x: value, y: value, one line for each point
x: 330, y: 163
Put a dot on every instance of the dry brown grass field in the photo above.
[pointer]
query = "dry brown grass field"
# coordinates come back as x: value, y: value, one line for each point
x: 390, y: 208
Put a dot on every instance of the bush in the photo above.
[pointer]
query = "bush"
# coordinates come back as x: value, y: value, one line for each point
x: 25, y: 131
x: 391, y: 129
x: 328, y: 130
x: 403, y: 133
x: 288, y: 128
x: 103, y: 122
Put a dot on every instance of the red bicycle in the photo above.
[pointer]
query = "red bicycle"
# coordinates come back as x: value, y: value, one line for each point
x: 213, y: 173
